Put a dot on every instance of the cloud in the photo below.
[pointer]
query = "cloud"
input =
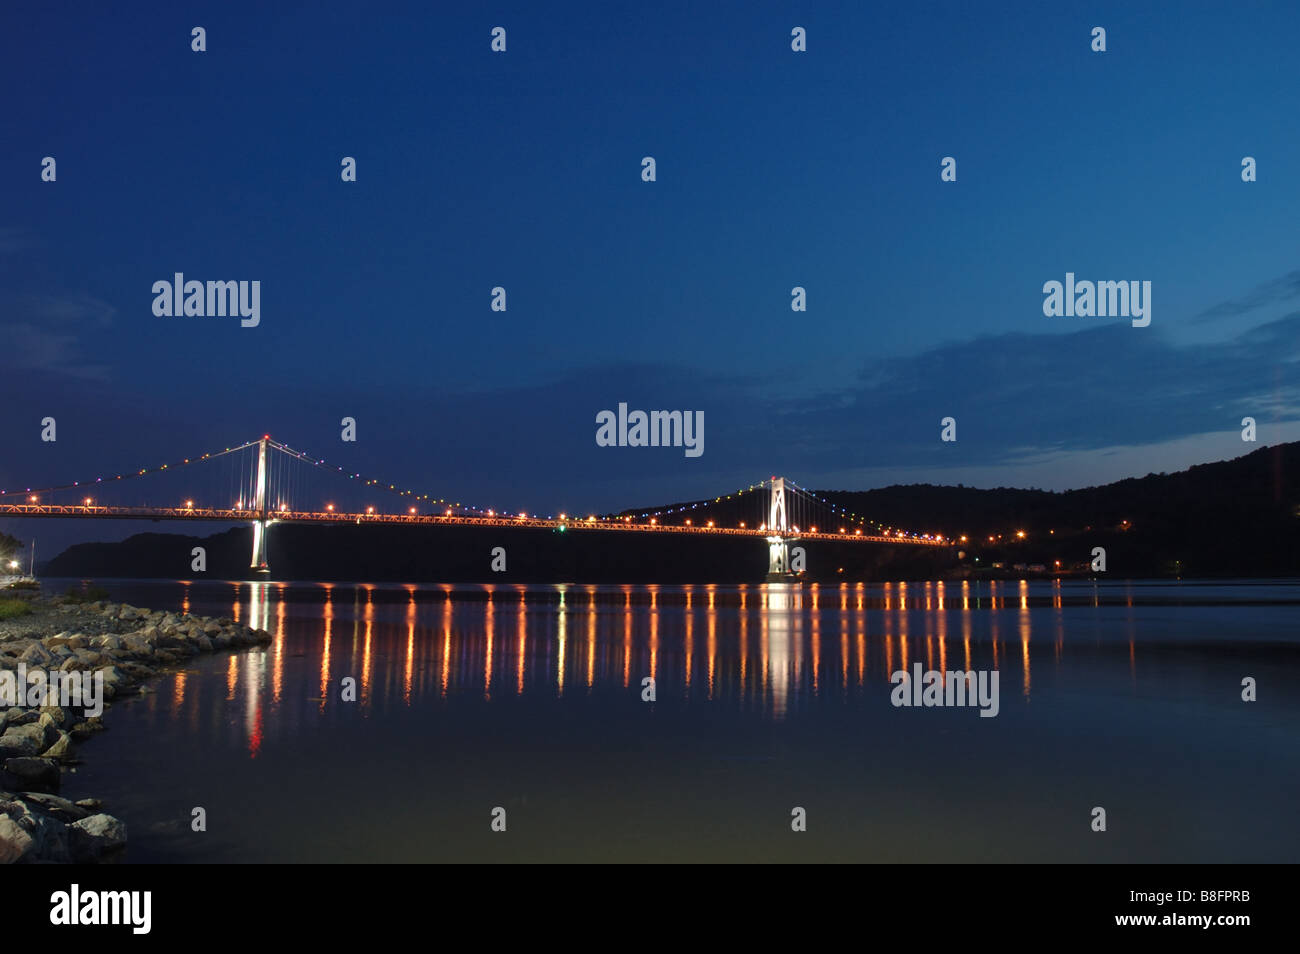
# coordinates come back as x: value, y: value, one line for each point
x: 1278, y: 290
x: 45, y: 332
x: 1020, y: 396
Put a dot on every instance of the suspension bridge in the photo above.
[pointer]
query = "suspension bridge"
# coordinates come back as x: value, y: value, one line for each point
x: 263, y: 483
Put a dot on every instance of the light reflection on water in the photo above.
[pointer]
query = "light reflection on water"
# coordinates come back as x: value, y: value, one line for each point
x: 462, y: 640
x: 543, y: 685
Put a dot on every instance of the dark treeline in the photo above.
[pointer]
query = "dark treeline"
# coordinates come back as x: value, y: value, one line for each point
x: 348, y: 552
x: 1233, y: 518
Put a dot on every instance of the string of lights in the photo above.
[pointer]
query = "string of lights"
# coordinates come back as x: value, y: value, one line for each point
x: 139, y: 473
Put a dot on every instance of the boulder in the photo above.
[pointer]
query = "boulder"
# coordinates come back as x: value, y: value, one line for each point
x: 96, y: 835
x: 137, y: 643
x: 84, y: 730
x: 22, y: 740
x: 36, y: 654
x: 61, y: 749
x: 56, y: 807
x: 31, y: 774
x: 15, y: 843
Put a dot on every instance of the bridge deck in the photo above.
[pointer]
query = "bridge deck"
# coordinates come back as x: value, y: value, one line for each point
x: 92, y: 511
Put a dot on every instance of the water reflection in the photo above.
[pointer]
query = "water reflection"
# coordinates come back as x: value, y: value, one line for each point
x: 770, y: 650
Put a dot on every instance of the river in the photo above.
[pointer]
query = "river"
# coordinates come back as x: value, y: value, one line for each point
x: 1124, y: 696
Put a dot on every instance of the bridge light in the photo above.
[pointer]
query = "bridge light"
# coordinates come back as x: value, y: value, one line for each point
x: 412, y: 510
x: 812, y: 530
x: 563, y: 517
x: 857, y: 533
x: 742, y: 525
x: 329, y: 507
x: 87, y: 501
x: 491, y: 513
x: 13, y: 564
x: 284, y: 507
x: 688, y: 521
x: 32, y: 498
x: 1020, y: 534
x: 963, y: 538
x: 448, y: 511
x: 842, y: 530
x: 654, y: 521
x: 710, y: 523
x: 370, y: 510
x: 189, y: 504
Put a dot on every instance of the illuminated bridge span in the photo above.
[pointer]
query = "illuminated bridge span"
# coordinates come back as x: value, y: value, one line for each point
x: 265, y: 479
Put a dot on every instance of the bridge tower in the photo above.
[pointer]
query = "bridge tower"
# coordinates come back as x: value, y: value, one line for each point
x: 261, y: 524
x: 779, y: 538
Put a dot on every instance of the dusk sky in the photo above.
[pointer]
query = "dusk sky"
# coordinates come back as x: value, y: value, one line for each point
x: 775, y: 169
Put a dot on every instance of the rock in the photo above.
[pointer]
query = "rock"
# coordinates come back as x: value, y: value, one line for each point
x: 84, y: 730
x: 61, y: 749
x: 47, y: 725
x: 90, y: 804
x: 15, y: 844
x: 107, y: 642
x: 36, y: 653
x: 96, y: 835
x: 204, y: 643
x: 128, y: 612
x: 57, y: 714
x: 31, y: 774
x: 211, y: 627
x: 92, y: 659
x: 22, y: 740
x: 138, y: 644
x: 58, y: 808
x: 16, y: 716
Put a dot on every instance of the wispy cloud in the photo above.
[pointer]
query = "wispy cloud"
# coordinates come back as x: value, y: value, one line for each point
x: 1278, y: 290
x: 46, y: 332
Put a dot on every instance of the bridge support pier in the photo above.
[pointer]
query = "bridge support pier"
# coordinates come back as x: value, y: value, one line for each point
x: 778, y: 544
x: 778, y: 563
x: 262, y: 525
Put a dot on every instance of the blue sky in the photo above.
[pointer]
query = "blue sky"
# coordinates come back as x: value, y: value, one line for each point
x: 775, y: 169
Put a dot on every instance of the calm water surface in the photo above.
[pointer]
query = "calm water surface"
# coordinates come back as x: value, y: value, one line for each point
x: 1125, y: 696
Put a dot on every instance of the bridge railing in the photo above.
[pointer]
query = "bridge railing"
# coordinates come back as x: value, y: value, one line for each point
x: 240, y: 515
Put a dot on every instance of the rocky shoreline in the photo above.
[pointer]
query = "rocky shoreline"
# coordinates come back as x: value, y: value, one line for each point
x: 126, y: 646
